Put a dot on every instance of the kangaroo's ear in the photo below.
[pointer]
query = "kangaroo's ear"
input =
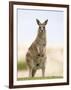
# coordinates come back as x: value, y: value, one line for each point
x: 46, y: 22
x: 38, y: 22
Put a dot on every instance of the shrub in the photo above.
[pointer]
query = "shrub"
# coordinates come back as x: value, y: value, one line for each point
x: 21, y: 65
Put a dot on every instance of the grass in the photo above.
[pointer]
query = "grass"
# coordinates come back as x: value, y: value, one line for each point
x: 40, y: 78
x: 21, y: 65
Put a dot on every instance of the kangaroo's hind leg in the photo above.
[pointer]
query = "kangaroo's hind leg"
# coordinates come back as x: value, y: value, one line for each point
x: 43, y: 70
x: 30, y: 72
x: 33, y: 72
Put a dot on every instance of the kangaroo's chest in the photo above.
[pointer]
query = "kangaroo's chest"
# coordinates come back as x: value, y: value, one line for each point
x: 41, y: 49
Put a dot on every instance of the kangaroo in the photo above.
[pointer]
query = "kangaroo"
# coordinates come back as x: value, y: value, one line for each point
x: 36, y: 54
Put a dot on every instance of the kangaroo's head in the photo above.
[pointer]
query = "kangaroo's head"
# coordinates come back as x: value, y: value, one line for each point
x: 41, y: 25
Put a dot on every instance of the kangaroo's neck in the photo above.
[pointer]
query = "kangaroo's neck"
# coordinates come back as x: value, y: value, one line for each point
x: 41, y: 37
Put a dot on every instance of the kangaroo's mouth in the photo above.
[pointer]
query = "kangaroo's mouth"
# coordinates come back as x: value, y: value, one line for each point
x: 42, y: 30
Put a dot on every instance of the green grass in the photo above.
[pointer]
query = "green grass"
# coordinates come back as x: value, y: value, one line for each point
x: 21, y: 65
x: 40, y: 78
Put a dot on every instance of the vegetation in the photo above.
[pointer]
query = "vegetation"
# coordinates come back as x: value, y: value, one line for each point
x: 40, y: 78
x: 21, y: 65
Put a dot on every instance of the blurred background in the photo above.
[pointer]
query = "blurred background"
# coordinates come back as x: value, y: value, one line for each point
x: 27, y: 32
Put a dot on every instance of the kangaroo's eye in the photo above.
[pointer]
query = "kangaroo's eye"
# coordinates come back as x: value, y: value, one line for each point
x: 43, y: 27
x: 39, y: 27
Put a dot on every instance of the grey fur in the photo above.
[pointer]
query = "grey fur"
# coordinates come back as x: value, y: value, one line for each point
x: 36, y: 55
